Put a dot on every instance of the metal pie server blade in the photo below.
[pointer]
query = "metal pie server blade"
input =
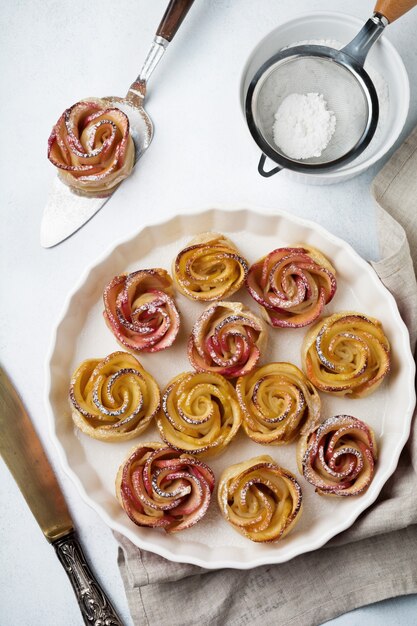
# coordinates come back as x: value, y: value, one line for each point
x: 23, y: 453
x: 66, y: 211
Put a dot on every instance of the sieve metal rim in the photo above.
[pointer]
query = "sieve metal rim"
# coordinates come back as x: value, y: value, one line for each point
x: 333, y: 55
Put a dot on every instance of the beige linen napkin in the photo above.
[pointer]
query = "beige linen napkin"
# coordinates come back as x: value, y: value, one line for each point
x: 373, y: 560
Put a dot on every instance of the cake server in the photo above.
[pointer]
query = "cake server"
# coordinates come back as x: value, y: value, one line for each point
x: 23, y: 453
x: 65, y: 211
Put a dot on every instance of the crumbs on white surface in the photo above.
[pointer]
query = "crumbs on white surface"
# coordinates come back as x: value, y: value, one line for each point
x: 303, y: 125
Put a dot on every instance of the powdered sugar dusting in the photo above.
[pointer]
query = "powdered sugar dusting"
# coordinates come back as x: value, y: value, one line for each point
x: 303, y: 125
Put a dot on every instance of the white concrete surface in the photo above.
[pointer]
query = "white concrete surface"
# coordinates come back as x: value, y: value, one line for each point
x: 53, y: 53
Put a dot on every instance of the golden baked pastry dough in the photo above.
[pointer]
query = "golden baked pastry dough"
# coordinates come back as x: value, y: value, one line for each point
x: 278, y: 403
x: 92, y: 147
x: 346, y: 354
x: 209, y: 268
x: 259, y: 499
x: 113, y: 399
x: 292, y: 285
x: 159, y: 487
x: 227, y: 338
x: 199, y: 414
x: 140, y: 310
x: 338, y: 457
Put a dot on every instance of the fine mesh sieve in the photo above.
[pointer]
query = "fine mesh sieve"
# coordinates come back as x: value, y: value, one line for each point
x: 339, y: 76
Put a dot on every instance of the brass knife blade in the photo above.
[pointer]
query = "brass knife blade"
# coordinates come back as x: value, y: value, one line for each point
x: 24, y: 455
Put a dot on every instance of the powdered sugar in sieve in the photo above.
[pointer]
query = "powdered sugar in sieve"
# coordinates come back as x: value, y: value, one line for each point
x: 380, y: 85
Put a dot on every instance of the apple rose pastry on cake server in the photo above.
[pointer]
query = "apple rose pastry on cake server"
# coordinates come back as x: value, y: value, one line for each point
x: 200, y: 413
x: 161, y: 488
x: 278, y: 403
x: 113, y: 399
x: 338, y: 457
x: 227, y: 339
x: 140, y: 310
x: 292, y: 285
x: 346, y: 354
x: 92, y: 147
x: 209, y: 268
x: 261, y: 500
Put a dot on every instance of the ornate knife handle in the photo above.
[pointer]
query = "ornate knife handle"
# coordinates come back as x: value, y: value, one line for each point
x: 95, y: 606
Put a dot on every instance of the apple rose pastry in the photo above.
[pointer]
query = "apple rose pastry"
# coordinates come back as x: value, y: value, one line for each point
x: 140, y: 310
x: 278, y: 403
x: 292, y: 285
x: 200, y: 413
x: 259, y: 499
x: 338, y: 457
x: 161, y: 488
x: 113, y: 399
x: 346, y: 354
x: 227, y: 338
x: 92, y: 147
x: 209, y: 268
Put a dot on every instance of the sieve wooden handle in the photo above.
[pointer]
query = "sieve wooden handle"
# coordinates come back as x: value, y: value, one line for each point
x: 173, y: 17
x: 393, y: 9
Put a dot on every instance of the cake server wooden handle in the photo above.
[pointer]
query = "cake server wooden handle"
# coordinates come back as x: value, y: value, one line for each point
x: 393, y: 9
x: 173, y: 18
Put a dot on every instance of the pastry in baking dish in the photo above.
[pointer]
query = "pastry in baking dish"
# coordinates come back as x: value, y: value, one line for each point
x: 160, y: 487
x: 292, y: 285
x: 278, y: 403
x: 140, y: 310
x: 209, y: 268
x: 113, y: 399
x: 346, y: 354
x: 200, y: 413
x: 338, y: 457
x: 227, y: 338
x: 261, y: 500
